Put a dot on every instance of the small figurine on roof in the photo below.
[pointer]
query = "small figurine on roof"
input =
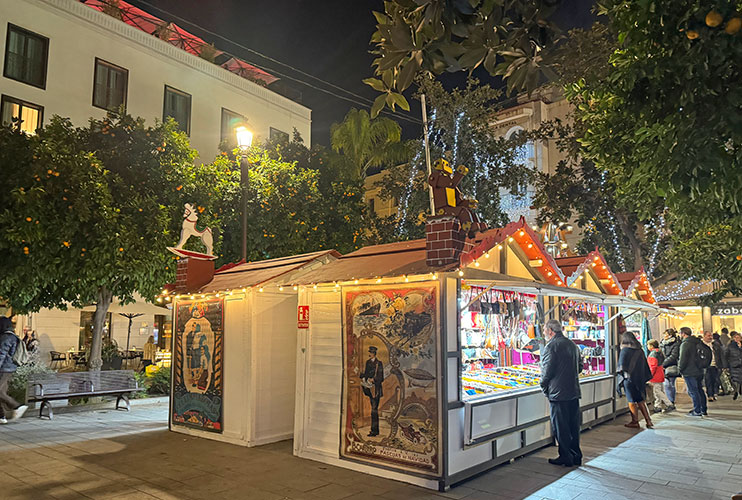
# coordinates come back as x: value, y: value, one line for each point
x: 449, y: 200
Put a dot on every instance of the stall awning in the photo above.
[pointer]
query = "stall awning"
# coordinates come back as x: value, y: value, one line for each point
x: 504, y: 282
x: 251, y: 274
x: 405, y: 258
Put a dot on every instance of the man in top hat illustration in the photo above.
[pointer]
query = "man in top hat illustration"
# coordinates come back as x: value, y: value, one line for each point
x: 371, y: 381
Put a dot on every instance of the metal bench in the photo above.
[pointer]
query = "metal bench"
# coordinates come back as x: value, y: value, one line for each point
x: 43, y: 388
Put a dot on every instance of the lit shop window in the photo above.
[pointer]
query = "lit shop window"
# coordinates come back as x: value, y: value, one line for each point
x: 110, y: 84
x: 178, y: 106
x: 26, y: 56
x: 28, y: 117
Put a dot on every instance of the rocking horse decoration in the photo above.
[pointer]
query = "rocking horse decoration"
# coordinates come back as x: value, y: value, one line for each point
x: 190, y: 216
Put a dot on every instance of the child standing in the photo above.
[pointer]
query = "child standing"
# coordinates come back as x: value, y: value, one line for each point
x: 654, y: 360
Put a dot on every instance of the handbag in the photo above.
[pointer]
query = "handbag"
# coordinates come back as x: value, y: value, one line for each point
x: 672, y: 371
x: 726, y: 383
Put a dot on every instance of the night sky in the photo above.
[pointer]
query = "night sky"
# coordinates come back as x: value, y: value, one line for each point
x: 325, y: 38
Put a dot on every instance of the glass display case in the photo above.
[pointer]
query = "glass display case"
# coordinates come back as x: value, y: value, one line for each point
x: 499, y: 340
x: 584, y: 324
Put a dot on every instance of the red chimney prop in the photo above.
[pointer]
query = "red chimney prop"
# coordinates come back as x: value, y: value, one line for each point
x: 192, y: 274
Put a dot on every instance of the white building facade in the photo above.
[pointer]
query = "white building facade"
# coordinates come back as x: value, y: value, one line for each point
x: 69, y: 58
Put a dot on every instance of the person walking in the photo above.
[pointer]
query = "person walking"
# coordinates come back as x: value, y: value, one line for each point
x: 560, y: 368
x: 711, y: 378
x: 734, y: 363
x: 9, y: 407
x: 670, y: 347
x: 654, y: 360
x: 724, y: 337
x: 632, y: 364
x: 691, y: 369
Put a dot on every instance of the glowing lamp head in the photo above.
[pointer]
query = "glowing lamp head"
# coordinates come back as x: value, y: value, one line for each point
x: 244, y: 138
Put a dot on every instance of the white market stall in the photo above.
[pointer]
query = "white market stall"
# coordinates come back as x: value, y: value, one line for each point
x: 234, y: 350
x: 453, y: 400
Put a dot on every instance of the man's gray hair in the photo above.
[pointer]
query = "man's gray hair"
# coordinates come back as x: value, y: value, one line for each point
x: 554, y: 325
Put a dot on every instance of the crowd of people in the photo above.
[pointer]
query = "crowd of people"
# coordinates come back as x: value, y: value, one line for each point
x: 710, y: 366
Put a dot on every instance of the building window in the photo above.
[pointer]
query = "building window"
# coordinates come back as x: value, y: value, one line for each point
x: 230, y: 121
x: 178, y: 106
x: 372, y: 204
x: 279, y: 135
x: 86, y: 329
x: 109, y: 86
x: 26, y: 56
x: 24, y: 115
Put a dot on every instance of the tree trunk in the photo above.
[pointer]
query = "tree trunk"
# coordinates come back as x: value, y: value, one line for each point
x: 634, y: 243
x: 99, y: 320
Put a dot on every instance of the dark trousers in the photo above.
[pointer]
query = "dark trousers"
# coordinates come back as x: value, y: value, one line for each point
x: 565, y: 425
x: 695, y: 391
x: 374, y: 414
x: 7, y: 404
x: 712, y: 381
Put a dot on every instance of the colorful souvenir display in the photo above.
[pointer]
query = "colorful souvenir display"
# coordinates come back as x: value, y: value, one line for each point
x: 499, y: 340
x: 584, y: 324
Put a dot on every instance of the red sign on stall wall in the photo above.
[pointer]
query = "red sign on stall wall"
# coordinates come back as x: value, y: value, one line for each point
x: 303, y: 317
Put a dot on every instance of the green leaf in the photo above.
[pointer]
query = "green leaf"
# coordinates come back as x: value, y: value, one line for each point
x: 375, y: 83
x: 378, y: 105
x: 400, y: 101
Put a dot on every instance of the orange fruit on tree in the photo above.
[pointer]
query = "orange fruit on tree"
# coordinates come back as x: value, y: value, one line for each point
x: 713, y: 19
x: 691, y: 34
x: 733, y: 26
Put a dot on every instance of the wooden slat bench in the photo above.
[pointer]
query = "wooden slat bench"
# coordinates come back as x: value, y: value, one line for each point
x: 43, y: 388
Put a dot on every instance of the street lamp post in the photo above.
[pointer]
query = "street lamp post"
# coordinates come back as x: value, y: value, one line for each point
x: 244, y: 141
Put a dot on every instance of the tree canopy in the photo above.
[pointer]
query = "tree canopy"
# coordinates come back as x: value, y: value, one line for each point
x: 505, y: 37
x: 90, y: 211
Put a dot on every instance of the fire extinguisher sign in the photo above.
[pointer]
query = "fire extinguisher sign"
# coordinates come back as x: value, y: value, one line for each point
x: 303, y: 317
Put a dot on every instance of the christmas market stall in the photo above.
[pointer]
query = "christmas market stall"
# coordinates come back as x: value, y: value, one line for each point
x: 234, y: 348
x: 420, y: 359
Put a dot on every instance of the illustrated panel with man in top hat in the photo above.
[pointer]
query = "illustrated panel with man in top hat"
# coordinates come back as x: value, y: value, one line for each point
x: 391, y: 412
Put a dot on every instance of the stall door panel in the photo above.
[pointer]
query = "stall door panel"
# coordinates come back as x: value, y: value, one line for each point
x: 323, y: 375
x: 275, y: 363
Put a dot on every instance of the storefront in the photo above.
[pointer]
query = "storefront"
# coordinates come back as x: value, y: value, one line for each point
x: 430, y: 375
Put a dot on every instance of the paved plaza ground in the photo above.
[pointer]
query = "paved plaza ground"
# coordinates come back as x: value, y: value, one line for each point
x: 114, y: 454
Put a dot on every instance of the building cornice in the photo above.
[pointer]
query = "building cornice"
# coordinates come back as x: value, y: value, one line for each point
x: 109, y: 24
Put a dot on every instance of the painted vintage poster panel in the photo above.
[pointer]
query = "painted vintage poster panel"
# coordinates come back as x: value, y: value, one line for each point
x: 391, y: 413
x: 198, y: 387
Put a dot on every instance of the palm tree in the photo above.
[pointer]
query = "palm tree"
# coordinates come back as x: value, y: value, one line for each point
x: 367, y: 142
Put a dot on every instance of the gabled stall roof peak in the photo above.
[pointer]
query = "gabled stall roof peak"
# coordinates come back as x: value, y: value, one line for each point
x: 528, y: 240
x: 574, y: 266
x: 637, y: 280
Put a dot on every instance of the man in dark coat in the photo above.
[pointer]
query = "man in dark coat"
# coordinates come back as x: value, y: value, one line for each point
x: 692, y: 371
x: 372, y: 378
x: 560, y: 369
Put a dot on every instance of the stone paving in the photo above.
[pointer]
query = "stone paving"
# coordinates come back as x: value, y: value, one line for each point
x: 108, y: 454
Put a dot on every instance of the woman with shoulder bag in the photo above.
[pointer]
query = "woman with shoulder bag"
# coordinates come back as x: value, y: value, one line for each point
x: 670, y: 347
x: 633, y: 364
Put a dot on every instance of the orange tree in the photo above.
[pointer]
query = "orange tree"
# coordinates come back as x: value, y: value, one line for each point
x: 665, y: 124
x: 88, y: 212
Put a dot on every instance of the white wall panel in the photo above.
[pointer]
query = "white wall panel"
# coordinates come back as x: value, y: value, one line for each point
x: 508, y: 443
x: 460, y: 459
x: 538, y: 432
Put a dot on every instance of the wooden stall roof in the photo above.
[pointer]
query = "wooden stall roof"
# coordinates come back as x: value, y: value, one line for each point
x: 639, y: 281
x: 249, y: 274
x: 572, y: 267
x: 528, y: 240
x: 376, y: 261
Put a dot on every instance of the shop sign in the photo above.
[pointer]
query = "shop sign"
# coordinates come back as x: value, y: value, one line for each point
x: 391, y: 394
x: 302, y: 320
x: 198, y: 387
x: 726, y: 309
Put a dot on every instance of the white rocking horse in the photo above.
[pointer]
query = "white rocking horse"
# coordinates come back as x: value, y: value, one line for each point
x: 190, y: 217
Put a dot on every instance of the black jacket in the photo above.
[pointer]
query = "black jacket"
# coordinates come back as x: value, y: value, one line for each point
x: 634, y: 364
x: 719, y: 354
x: 560, y: 369
x: 734, y: 362
x: 671, y: 350
x: 689, y: 363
